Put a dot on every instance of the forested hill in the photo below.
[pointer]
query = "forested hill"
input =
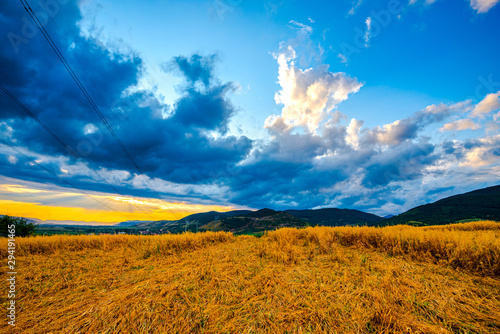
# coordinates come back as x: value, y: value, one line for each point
x: 478, y: 204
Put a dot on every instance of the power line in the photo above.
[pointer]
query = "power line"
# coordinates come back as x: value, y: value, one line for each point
x: 61, y: 35
x: 59, y: 178
x: 25, y: 109
x: 63, y: 144
x: 86, y: 94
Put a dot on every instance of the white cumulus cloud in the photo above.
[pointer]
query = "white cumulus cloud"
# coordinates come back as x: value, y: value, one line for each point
x: 490, y: 103
x: 352, y: 132
x: 401, y: 130
x: 461, y: 124
x: 484, y: 153
x: 308, y: 96
x: 12, y: 159
x: 368, y: 32
x: 90, y: 129
x: 482, y: 6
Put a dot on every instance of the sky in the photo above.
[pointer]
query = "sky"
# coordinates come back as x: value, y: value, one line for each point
x: 154, y: 110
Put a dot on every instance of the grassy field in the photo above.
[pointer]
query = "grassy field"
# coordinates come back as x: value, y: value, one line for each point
x: 398, y: 279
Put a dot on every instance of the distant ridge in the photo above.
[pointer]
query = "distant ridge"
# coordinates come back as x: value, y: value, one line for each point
x: 200, y: 219
x: 478, y: 204
x: 254, y: 222
x: 246, y: 221
x: 129, y: 223
x: 335, y: 217
x: 481, y: 204
x: 260, y: 213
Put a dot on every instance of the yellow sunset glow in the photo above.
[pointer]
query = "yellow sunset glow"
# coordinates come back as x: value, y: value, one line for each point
x: 15, y: 188
x: 105, y: 208
x: 46, y: 212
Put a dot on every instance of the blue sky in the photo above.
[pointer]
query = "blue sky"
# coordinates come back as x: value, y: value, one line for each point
x: 374, y: 105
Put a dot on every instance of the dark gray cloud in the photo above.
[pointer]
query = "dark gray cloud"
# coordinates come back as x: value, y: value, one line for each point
x: 403, y: 163
x: 329, y: 168
x: 208, y: 110
x: 439, y: 190
x: 194, y: 69
x: 178, y: 148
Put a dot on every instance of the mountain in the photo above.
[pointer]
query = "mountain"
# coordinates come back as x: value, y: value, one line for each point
x: 207, y: 217
x: 130, y: 223
x: 335, y: 217
x: 190, y: 222
x: 258, y: 221
x: 157, y: 224
x: 477, y: 204
x: 243, y: 221
x: 35, y: 221
x: 259, y: 213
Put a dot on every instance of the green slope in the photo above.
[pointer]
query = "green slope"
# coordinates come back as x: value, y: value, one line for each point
x: 479, y: 204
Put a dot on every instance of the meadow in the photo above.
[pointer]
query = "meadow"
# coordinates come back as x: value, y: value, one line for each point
x: 397, y: 279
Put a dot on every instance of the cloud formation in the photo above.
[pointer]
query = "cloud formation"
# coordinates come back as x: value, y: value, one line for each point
x: 186, y: 142
x: 355, y: 6
x: 427, y: 2
x: 482, y: 6
x: 195, y: 69
x: 489, y: 104
x: 482, y: 152
x: 408, y: 128
x: 368, y: 31
x: 315, y: 155
x: 460, y: 125
x: 308, y: 96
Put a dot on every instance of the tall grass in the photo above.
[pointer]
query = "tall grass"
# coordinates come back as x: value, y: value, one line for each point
x: 470, y: 226
x: 471, y: 246
x: 150, y: 244
x: 313, y: 280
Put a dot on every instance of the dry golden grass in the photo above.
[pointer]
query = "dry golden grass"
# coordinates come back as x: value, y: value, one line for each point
x: 469, y: 246
x: 471, y: 226
x: 164, y: 244
x: 315, y: 280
